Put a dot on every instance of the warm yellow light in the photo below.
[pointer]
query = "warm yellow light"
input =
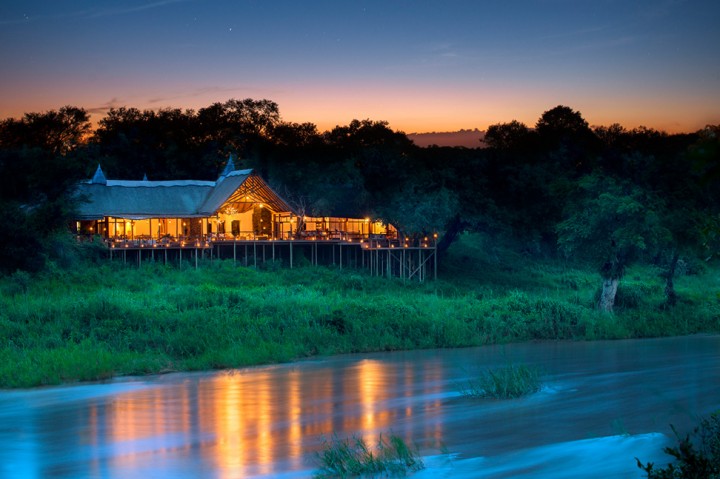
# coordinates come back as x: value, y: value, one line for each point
x: 367, y: 220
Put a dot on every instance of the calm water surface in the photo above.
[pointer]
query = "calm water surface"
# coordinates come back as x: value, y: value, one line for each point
x: 603, y: 403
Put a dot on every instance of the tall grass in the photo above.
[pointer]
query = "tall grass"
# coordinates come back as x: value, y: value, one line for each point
x: 93, y: 321
x: 353, y: 457
x: 507, y: 382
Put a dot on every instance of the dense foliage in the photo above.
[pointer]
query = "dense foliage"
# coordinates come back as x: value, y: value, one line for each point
x: 98, y: 320
x: 561, y: 188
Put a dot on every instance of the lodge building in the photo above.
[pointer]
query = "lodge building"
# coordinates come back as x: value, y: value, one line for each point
x: 238, y: 211
x: 238, y: 206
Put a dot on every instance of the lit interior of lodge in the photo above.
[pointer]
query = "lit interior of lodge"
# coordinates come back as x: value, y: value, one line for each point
x: 248, y: 225
x: 239, y: 206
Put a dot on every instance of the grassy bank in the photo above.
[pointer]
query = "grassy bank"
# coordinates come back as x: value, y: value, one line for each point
x: 102, y: 320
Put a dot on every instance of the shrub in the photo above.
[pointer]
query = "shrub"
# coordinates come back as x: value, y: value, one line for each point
x: 699, y: 459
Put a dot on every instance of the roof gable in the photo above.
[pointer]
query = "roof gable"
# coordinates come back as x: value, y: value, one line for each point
x: 174, y: 199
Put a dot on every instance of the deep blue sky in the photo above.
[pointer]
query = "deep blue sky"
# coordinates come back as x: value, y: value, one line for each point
x: 421, y: 65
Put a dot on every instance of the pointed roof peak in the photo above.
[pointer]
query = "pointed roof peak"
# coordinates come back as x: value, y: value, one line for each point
x: 99, y: 177
x: 145, y: 177
x: 229, y: 166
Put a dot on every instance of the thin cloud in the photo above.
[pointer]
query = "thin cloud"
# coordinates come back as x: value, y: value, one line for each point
x: 92, y: 13
x: 196, y: 92
x: 105, y: 107
x: 107, y: 12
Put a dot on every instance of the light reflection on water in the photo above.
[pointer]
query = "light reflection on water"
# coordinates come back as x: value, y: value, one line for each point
x: 266, y: 421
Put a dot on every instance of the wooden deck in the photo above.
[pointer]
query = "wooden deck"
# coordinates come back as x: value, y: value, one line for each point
x: 412, y: 260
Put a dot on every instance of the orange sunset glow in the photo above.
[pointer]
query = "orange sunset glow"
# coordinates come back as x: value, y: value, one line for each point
x: 421, y: 68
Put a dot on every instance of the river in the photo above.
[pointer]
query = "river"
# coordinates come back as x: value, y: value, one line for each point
x: 602, y: 404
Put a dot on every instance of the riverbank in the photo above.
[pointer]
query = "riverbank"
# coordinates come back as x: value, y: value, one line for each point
x: 103, y: 320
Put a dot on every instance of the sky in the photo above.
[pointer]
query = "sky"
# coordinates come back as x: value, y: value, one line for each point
x: 420, y: 65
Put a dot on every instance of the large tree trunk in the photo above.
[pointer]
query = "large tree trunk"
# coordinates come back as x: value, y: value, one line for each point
x: 670, y: 294
x: 452, y: 231
x: 611, y: 272
x: 607, y: 297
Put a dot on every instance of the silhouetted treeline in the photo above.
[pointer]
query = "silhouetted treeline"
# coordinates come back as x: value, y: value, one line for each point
x: 607, y: 194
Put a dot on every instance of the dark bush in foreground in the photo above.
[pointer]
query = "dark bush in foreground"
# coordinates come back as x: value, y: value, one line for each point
x: 699, y: 459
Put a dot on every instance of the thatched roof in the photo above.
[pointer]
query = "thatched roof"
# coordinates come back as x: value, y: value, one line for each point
x: 173, y: 199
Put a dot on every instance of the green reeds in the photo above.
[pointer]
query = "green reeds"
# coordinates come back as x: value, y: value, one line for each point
x: 507, y: 382
x: 353, y: 457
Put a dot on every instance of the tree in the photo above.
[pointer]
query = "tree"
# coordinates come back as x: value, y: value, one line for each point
x: 56, y: 131
x: 417, y: 209
x: 41, y: 159
x: 612, y: 223
x: 511, y: 136
x: 565, y: 136
x: 562, y: 123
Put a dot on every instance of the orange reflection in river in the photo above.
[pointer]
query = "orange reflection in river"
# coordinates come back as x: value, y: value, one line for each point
x: 242, y: 423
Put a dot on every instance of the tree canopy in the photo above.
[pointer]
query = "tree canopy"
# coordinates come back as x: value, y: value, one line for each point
x: 605, y: 194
